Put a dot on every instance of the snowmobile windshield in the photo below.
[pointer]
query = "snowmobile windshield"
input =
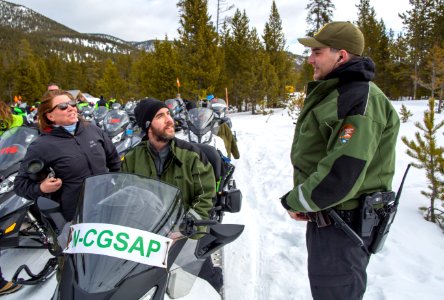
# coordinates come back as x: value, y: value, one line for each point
x: 127, y: 200
x: 11, y: 205
x: 200, y: 124
x: 13, y: 145
x: 100, y: 113
x: 219, y: 106
x: 116, y: 122
x: 201, y: 118
x: 87, y: 111
x: 176, y: 106
x: 116, y: 105
x: 129, y: 107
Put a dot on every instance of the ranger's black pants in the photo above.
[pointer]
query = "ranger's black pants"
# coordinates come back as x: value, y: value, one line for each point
x: 336, y: 265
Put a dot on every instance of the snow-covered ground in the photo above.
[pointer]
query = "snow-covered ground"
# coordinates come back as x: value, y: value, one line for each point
x: 268, y: 261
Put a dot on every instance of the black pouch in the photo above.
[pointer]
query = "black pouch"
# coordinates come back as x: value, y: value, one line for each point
x: 368, y: 216
x: 377, y: 220
x: 387, y: 215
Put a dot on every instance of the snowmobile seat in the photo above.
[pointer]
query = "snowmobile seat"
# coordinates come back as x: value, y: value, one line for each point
x: 214, y: 158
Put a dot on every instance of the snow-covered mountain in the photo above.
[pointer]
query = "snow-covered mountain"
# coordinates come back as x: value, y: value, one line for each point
x: 17, y: 22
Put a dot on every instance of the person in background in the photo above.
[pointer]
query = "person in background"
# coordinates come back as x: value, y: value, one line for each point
x: 9, y: 120
x: 229, y: 139
x: 52, y: 87
x: 72, y: 147
x: 82, y: 103
x: 343, y: 151
x: 101, y: 102
x: 8, y: 287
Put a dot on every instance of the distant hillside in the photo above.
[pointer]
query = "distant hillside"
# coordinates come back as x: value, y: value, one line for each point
x: 45, y: 35
x: 28, y: 21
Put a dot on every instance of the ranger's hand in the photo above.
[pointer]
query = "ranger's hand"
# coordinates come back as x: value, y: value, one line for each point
x: 298, y: 216
x: 50, y: 185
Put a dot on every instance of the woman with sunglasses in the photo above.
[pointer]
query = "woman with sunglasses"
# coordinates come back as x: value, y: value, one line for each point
x: 71, y: 146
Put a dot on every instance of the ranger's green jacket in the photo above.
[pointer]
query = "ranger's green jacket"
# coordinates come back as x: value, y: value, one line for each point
x: 186, y: 168
x: 344, y: 142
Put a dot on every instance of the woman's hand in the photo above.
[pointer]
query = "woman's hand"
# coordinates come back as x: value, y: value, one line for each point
x: 50, y: 185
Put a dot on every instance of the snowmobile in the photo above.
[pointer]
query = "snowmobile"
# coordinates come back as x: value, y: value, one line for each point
x: 219, y: 107
x: 87, y: 113
x: 129, y: 108
x: 179, y: 113
x: 120, y: 129
x: 132, y: 238
x: 202, y: 129
x: 20, y: 226
x: 99, y: 114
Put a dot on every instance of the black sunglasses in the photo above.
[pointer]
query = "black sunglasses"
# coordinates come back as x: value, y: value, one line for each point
x: 64, y: 105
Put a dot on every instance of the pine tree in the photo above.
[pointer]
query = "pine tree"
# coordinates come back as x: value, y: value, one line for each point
x: 264, y: 78
x: 405, y: 114
x: 400, y: 68
x: 438, y: 24
x: 27, y: 76
x: 273, y: 37
x: 434, y: 77
x: 377, y: 44
x: 164, y: 69
x: 111, y: 85
x: 419, y: 23
x: 320, y: 12
x: 199, y: 56
x: 429, y: 156
x: 239, y: 57
x: 295, y: 105
x: 274, y: 41
x: 141, y: 74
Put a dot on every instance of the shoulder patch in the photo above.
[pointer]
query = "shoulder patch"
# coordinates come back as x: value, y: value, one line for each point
x: 346, y: 133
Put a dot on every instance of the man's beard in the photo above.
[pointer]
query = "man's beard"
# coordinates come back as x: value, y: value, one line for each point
x: 161, y: 135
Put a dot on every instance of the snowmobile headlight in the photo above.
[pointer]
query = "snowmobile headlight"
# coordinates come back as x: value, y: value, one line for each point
x: 7, y: 185
x: 193, y: 138
x: 150, y: 294
x: 206, y: 138
x: 117, y: 138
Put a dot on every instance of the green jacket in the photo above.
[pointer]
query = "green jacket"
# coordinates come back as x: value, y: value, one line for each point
x: 229, y: 141
x: 186, y: 168
x: 344, y: 142
x: 16, y: 122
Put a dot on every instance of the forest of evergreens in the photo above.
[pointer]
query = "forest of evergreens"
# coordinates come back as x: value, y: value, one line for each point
x: 251, y: 66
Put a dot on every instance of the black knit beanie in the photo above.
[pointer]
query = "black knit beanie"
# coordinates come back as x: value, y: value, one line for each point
x: 145, y: 111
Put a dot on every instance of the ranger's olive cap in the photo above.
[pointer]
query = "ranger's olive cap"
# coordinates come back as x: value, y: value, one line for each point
x: 337, y: 35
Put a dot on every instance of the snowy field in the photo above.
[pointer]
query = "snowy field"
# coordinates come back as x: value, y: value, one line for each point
x: 268, y: 261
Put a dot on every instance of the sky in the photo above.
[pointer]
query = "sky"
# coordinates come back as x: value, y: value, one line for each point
x: 140, y: 20
x: 268, y: 261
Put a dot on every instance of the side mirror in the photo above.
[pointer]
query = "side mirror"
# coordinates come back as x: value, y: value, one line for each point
x: 219, y: 236
x: 233, y: 201
x: 191, y: 221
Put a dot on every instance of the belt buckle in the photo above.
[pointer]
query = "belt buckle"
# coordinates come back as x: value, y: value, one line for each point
x: 322, y: 220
